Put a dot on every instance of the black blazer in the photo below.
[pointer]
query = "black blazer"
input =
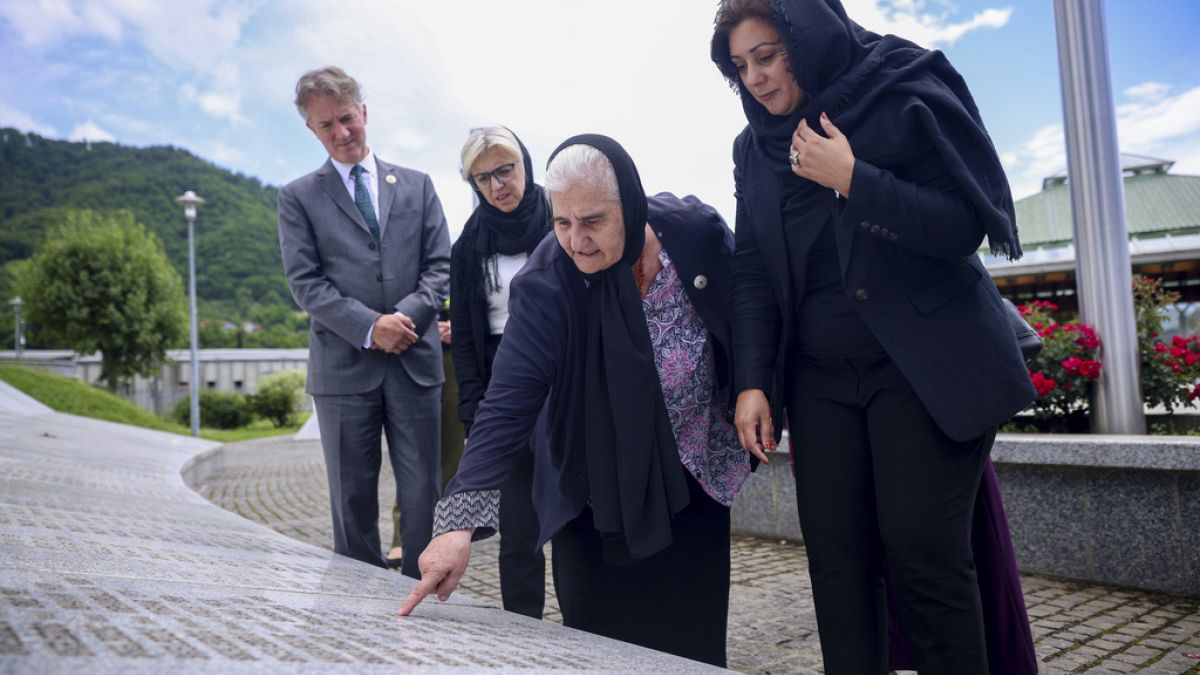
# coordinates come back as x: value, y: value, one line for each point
x: 907, y: 249
x: 543, y: 342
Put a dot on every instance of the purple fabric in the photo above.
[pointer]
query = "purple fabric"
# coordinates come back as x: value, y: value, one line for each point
x: 1006, y: 625
x: 708, y: 444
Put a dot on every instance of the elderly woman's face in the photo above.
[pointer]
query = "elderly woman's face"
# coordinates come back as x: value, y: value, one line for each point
x: 589, y: 227
x: 762, y: 63
x: 500, y: 178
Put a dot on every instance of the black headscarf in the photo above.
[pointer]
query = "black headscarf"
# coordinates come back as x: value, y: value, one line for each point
x: 883, y: 93
x: 490, y: 231
x: 635, y: 478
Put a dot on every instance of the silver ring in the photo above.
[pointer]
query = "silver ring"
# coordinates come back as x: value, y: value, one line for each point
x: 794, y: 159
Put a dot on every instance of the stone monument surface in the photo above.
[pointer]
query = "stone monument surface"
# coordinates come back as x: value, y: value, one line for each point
x: 110, y: 563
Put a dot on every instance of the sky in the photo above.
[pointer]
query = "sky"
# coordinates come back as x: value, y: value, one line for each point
x: 216, y: 77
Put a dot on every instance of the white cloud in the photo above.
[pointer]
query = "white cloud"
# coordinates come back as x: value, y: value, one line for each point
x: 90, y: 131
x: 912, y: 19
x: 433, y: 70
x: 1148, y: 91
x: 556, y: 70
x: 405, y: 139
x: 141, y: 128
x: 223, y: 154
x: 1145, y: 126
x: 1154, y: 122
x: 192, y: 37
x: 1187, y: 157
x: 42, y: 21
x: 11, y: 117
x: 196, y: 33
x: 456, y: 196
x: 223, y: 105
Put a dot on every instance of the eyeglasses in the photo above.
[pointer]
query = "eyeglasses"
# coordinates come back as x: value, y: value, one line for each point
x: 501, y: 173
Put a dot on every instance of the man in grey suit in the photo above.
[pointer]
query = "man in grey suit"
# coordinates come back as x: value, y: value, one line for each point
x: 367, y: 255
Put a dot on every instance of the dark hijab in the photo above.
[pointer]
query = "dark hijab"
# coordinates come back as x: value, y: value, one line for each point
x: 890, y: 97
x: 490, y: 231
x: 635, y: 478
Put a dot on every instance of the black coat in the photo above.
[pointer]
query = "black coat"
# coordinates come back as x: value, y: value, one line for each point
x: 907, y: 250
x: 468, y: 344
x: 537, y: 362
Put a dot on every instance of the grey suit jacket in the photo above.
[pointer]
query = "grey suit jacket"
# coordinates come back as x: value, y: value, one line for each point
x: 344, y: 282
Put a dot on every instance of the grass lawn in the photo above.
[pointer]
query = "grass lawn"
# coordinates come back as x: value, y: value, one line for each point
x: 77, y: 398
x: 256, y: 429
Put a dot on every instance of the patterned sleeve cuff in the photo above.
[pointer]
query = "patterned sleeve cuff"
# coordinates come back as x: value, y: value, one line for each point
x: 466, y: 510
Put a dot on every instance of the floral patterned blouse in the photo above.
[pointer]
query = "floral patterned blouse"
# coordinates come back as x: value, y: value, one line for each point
x: 708, y: 444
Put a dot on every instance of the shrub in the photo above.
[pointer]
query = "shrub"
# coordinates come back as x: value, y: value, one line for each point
x: 1169, y: 372
x: 218, y: 410
x: 279, y: 397
x: 1066, y: 367
x: 1069, y: 362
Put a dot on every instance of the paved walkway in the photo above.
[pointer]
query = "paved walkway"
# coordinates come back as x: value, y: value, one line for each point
x: 110, y: 563
x: 1078, y: 627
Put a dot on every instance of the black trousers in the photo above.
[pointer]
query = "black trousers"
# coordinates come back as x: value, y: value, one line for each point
x: 522, y: 563
x: 676, y: 601
x: 876, y: 478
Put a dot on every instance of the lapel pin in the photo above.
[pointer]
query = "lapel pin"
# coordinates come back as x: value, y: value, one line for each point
x: 391, y: 180
x: 700, y: 282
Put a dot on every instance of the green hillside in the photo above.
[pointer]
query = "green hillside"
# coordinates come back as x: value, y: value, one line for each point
x: 239, y: 275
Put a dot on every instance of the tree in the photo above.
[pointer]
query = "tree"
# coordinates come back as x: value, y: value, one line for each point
x: 99, y: 282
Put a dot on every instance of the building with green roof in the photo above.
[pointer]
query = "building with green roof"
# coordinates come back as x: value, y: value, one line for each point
x: 1162, y: 215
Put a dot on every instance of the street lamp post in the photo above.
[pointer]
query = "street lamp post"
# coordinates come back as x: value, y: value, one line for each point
x: 1098, y: 212
x: 18, y: 332
x: 189, y: 201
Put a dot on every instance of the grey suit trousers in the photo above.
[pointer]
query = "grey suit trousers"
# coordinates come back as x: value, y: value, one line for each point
x: 351, y: 426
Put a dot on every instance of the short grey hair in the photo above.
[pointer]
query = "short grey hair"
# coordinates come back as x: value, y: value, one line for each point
x: 583, y: 166
x: 485, y: 138
x: 327, y: 81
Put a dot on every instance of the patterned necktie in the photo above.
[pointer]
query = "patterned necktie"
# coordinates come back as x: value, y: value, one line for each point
x: 362, y: 199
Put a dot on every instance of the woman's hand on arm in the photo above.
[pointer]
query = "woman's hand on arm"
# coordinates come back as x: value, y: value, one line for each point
x: 755, y: 428
x: 829, y: 162
x: 442, y: 566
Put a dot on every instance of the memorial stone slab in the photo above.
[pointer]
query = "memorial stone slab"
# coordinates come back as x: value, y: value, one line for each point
x: 110, y: 563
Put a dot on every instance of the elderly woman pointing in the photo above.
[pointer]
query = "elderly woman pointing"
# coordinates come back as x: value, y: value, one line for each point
x: 617, y: 348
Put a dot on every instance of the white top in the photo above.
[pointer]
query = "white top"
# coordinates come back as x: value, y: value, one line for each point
x: 508, y: 266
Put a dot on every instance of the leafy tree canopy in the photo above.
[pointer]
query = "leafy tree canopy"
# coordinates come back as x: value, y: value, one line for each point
x: 101, y: 283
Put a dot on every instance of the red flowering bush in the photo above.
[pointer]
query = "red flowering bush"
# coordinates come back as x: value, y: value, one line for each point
x: 1069, y: 362
x: 1067, y: 365
x: 1169, y: 371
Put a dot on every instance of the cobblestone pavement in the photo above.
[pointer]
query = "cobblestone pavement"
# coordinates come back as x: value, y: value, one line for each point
x: 1078, y: 627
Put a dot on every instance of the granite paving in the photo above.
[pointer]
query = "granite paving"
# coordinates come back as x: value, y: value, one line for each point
x: 1078, y: 627
x: 109, y: 563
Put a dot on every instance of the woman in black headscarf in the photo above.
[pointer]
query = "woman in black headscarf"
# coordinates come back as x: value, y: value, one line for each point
x: 512, y: 218
x: 866, y: 182
x: 617, y: 348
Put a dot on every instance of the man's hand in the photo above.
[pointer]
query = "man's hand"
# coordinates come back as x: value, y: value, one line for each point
x: 393, y: 333
x: 755, y: 428
x: 442, y: 565
x: 444, y: 332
